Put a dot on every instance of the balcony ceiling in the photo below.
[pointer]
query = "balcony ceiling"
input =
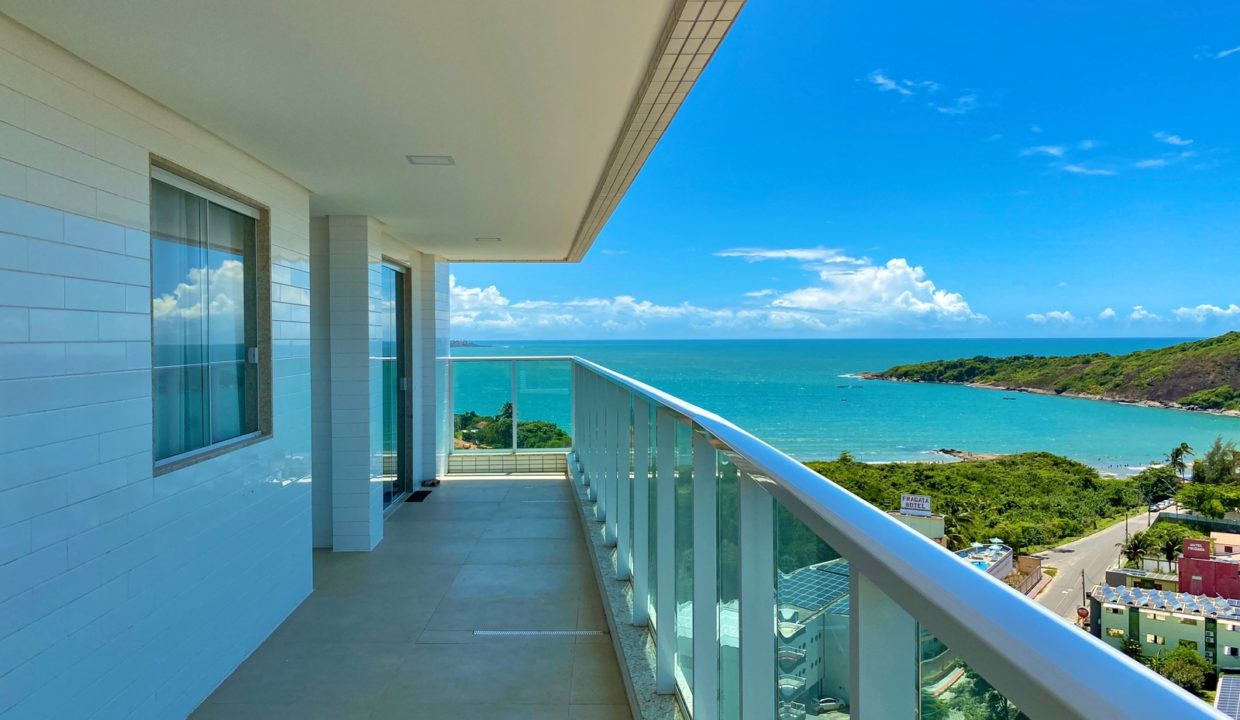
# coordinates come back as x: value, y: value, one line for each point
x: 534, y: 100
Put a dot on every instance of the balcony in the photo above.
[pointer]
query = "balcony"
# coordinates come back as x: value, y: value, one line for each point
x: 728, y: 579
x: 762, y: 564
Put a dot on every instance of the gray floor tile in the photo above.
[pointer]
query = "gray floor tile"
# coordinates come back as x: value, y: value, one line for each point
x: 527, y: 551
x: 516, y: 581
x: 389, y: 634
x: 596, y: 675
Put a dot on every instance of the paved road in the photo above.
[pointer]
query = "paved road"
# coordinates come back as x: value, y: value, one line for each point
x: 1093, y: 554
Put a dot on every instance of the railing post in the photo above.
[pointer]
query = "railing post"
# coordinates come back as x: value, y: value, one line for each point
x: 574, y: 398
x: 592, y: 381
x: 885, y: 651
x: 757, y: 598
x: 624, y: 488
x: 450, y: 401
x: 513, y: 402
x: 641, y: 511
x: 614, y: 468
x: 665, y: 519
x: 705, y: 577
x: 607, y: 463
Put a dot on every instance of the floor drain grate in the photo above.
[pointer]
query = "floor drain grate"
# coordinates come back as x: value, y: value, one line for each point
x: 538, y: 633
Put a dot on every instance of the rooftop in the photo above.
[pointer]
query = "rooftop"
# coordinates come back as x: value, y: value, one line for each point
x: 1168, y: 601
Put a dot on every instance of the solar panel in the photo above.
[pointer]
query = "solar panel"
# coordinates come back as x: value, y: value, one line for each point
x: 1228, y: 698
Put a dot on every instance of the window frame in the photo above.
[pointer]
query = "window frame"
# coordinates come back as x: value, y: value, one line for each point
x: 182, y: 178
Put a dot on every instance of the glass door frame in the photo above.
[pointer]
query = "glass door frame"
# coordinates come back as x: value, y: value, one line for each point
x: 402, y: 485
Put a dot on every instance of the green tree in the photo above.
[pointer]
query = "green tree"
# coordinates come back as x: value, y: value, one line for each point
x: 1170, y: 549
x: 1132, y: 648
x: 958, y: 528
x: 1219, y: 464
x: 1176, y: 458
x: 1136, y: 547
x: 1204, y: 499
x: 1185, y: 667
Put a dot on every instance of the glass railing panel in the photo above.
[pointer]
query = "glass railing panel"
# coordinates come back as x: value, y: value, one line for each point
x: 684, y: 561
x: 482, y: 405
x: 812, y: 650
x: 729, y: 589
x: 652, y: 584
x: 951, y: 690
x: 544, y: 405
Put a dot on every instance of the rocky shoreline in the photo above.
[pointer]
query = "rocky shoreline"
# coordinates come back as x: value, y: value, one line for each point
x: 1040, y: 391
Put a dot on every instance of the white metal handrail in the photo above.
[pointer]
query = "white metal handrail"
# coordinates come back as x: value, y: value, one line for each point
x: 1046, y: 667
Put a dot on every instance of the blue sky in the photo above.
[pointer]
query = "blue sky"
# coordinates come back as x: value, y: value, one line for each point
x: 974, y: 169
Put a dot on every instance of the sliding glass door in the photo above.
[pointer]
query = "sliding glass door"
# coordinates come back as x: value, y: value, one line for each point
x: 393, y: 364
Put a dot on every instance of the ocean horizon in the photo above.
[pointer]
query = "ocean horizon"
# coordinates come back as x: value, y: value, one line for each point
x: 802, y: 396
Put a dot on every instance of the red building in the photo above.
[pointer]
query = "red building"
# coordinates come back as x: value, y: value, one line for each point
x: 1203, y: 574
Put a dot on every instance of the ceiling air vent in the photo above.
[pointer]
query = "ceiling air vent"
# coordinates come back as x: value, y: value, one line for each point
x: 430, y: 159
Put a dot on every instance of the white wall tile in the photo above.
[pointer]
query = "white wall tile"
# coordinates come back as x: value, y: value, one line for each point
x: 124, y: 594
x: 31, y: 290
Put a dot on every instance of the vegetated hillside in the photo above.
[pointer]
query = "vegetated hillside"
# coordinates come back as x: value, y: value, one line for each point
x: 1027, y: 500
x: 1200, y: 375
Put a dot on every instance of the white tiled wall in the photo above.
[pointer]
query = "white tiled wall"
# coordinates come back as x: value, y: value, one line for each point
x: 122, y: 594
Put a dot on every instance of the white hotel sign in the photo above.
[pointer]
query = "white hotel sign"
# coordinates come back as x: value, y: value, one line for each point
x: 915, y: 504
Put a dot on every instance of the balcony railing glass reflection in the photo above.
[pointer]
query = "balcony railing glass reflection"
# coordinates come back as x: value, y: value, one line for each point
x: 505, y: 405
x: 769, y: 591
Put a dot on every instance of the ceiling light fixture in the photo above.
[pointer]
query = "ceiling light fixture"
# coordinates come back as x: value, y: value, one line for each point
x: 490, y: 239
x: 430, y: 159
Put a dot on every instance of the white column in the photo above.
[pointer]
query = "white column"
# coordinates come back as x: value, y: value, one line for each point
x: 757, y: 596
x: 353, y: 246
x: 885, y: 652
x: 641, y: 511
x: 665, y: 519
x: 705, y: 578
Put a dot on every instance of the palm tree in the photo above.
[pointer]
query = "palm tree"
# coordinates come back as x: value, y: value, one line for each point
x: 957, y: 526
x: 1135, y: 547
x: 1170, y: 549
x: 1176, y: 458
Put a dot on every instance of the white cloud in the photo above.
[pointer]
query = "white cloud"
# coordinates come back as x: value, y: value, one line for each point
x: 963, y: 105
x: 807, y: 255
x: 893, y: 292
x: 1063, y: 284
x: 1172, y: 139
x: 1082, y: 170
x: 1051, y: 150
x: 1229, y: 51
x: 1165, y: 160
x: 1035, y: 129
x: 614, y: 252
x: 1107, y: 314
x: 1087, y: 144
x: 1201, y: 313
x: 886, y: 83
x: 1055, y: 316
x: 184, y: 303
x: 1140, y: 313
x: 852, y: 293
x: 488, y: 311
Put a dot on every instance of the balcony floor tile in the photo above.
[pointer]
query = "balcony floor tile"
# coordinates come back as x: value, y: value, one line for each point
x: 390, y: 633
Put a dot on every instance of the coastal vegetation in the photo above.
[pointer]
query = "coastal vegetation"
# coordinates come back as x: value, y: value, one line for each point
x: 1030, y: 500
x: 1215, y: 489
x: 486, y: 432
x: 1198, y: 375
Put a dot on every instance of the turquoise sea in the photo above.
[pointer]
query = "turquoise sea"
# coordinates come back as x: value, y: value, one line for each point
x: 796, y: 395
